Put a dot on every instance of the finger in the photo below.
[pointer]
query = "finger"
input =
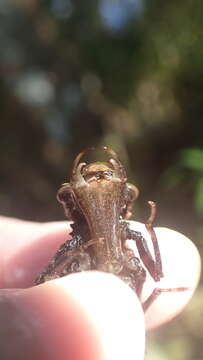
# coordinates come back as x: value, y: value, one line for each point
x: 181, y: 268
x: 26, y: 248
x: 181, y: 264
x: 81, y: 316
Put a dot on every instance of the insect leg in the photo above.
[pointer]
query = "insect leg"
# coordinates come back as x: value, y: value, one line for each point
x: 137, y: 272
x: 135, y: 281
x: 156, y: 292
x: 69, y: 258
x: 143, y: 251
x: 150, y: 229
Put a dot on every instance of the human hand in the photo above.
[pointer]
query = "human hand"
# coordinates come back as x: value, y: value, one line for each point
x: 88, y: 315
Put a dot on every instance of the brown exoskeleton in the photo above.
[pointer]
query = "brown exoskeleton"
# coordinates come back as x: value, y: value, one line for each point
x: 98, y: 200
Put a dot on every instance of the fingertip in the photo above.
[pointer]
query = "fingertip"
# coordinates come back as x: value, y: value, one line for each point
x: 87, y: 316
x: 114, y: 311
x: 27, y: 249
x: 181, y: 267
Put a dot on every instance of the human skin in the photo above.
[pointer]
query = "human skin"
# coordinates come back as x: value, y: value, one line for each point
x: 89, y: 315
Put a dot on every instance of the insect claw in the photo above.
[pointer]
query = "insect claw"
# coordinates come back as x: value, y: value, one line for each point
x: 118, y: 170
x: 77, y: 159
x: 77, y: 177
x: 115, y: 161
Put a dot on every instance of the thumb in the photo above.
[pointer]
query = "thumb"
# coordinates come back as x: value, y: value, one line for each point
x: 84, y: 316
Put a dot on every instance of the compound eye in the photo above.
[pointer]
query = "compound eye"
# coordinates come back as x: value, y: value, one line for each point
x: 63, y: 195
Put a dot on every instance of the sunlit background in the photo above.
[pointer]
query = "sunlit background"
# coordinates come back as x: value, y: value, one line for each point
x: 122, y: 73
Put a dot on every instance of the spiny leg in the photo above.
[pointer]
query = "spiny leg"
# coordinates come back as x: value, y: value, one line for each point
x: 153, y: 266
x: 74, y: 261
x: 143, y: 250
x: 63, y: 258
x: 156, y: 292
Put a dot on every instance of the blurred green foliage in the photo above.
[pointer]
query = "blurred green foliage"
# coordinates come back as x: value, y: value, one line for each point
x: 122, y: 73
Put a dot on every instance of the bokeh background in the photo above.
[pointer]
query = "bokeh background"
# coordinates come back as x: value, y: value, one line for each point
x: 122, y: 73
